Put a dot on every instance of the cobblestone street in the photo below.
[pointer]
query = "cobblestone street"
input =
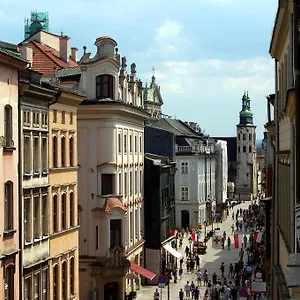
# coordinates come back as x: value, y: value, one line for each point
x: 211, y: 261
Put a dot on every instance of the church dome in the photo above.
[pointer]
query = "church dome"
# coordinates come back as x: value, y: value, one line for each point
x: 35, y: 27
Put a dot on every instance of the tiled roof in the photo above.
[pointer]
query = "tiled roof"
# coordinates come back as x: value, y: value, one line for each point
x: 68, y: 72
x: 112, y: 203
x: 46, y: 59
x: 12, y: 54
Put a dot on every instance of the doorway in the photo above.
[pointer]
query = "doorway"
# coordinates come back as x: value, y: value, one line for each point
x: 185, y: 219
x: 111, y: 290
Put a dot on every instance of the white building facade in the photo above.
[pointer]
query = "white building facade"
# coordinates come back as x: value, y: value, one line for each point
x: 111, y: 166
x: 246, y: 181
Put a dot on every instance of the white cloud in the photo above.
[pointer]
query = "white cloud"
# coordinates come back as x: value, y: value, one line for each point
x: 168, y: 30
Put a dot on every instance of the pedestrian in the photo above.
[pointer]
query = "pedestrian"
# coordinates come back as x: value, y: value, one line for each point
x: 196, y: 293
x: 156, y: 294
x: 181, y: 294
x: 234, y: 293
x: 227, y: 293
x: 230, y: 274
x: 214, y: 278
x: 199, y: 278
x: 187, y: 289
x: 180, y: 272
x: 222, y: 268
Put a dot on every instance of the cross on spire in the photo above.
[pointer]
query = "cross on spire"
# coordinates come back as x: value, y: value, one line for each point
x: 153, y: 71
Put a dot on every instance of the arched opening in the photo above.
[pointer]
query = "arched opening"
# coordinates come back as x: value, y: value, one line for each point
x: 54, y: 154
x: 8, y: 126
x: 185, y: 219
x: 111, y: 290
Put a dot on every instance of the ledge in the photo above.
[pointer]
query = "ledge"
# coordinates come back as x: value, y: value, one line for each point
x: 55, y: 234
x: 64, y: 169
x: 9, y: 148
x: 9, y: 232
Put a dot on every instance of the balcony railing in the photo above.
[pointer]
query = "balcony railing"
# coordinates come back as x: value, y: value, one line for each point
x: 195, y: 149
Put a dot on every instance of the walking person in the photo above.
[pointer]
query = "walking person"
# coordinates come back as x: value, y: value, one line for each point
x: 156, y: 295
x: 187, y: 289
x: 196, y: 293
x: 222, y: 268
x: 181, y: 294
x: 180, y: 272
x: 199, y: 275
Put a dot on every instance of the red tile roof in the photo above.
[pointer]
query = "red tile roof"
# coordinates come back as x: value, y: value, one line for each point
x: 46, y: 60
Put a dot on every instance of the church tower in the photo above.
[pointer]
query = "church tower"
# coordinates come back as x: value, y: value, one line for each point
x: 246, y: 180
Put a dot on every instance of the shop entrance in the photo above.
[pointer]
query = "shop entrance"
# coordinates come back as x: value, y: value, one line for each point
x: 185, y: 219
x: 111, y: 290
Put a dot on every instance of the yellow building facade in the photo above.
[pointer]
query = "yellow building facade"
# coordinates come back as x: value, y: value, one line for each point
x: 63, y: 203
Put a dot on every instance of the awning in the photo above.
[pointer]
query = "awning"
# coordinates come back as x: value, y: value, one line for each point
x: 172, y: 251
x: 141, y: 271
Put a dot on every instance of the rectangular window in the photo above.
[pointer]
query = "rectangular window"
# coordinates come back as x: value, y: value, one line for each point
x: 72, y: 209
x: 28, y: 288
x: 239, y: 136
x: 250, y: 136
x: 63, y: 211
x: 71, y: 149
x: 136, y: 181
x: 115, y: 232
x: 141, y: 144
x: 26, y: 118
x: 104, y: 86
x: 125, y: 185
x: 184, y: 168
x: 27, y: 155
x: 250, y: 149
x: 8, y: 126
x: 36, y: 154
x: 130, y: 143
x: 36, y: 220
x: 107, y: 184
x: 63, y: 117
x: 141, y: 181
x: 36, y: 285
x: 119, y: 143
x: 72, y: 276
x: 120, y: 183
x: 54, y: 213
x: 44, y: 154
x: 45, y: 215
x: 27, y: 220
x: 54, y: 116
x: 64, y: 280
x: 125, y: 143
x: 71, y: 118
x: 184, y: 193
x: 244, y: 136
x: 131, y: 183
x: 8, y: 206
x: 135, y: 144
x: 9, y: 283
x: 44, y: 284
x: 63, y: 151
x: 97, y: 237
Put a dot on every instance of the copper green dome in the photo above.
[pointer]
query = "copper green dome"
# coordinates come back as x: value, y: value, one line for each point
x: 246, y: 115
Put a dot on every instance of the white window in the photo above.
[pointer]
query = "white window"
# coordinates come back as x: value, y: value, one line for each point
x: 135, y: 144
x: 184, y: 193
x: 63, y: 117
x: 36, y: 153
x: 119, y: 142
x: 44, y: 154
x: 130, y: 143
x: 44, y: 120
x: 27, y: 155
x: 37, y: 216
x: 44, y: 284
x: 120, y: 183
x: 125, y: 143
x: 136, y: 181
x: 125, y: 185
x: 26, y: 118
x: 27, y: 220
x: 27, y: 288
x: 36, y: 285
x: 44, y: 215
x: 184, y: 168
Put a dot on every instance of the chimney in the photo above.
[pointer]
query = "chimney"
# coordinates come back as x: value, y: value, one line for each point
x: 27, y: 52
x: 64, y: 46
x: 74, y: 53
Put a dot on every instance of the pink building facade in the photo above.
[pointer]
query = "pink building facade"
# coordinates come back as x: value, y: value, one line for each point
x: 10, y: 64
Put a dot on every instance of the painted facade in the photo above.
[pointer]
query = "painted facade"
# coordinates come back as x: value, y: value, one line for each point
x: 35, y: 217
x: 9, y: 179
x: 63, y: 197
x: 246, y: 181
x: 110, y: 178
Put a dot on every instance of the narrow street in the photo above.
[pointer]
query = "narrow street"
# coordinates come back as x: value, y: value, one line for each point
x: 211, y: 261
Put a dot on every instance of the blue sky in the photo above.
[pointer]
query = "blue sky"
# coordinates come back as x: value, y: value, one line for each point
x: 205, y: 52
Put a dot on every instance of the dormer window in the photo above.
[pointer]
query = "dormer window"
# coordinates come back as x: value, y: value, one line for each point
x: 104, y: 86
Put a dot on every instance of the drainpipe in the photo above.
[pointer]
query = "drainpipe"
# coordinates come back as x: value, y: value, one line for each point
x: 292, y: 188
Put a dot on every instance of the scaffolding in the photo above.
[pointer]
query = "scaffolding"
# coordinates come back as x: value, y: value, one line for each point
x: 38, y: 21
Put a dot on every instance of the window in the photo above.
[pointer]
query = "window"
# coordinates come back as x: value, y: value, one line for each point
x: 45, y: 215
x: 125, y: 143
x: 44, y: 154
x: 55, y: 283
x: 239, y: 149
x: 36, y: 119
x: 104, y: 87
x: 72, y: 276
x: 244, y: 148
x: 250, y: 149
x: 184, y: 168
x: 141, y: 144
x: 55, y: 215
x: 71, y: 118
x: 63, y: 151
x: 64, y: 274
x: 9, y: 283
x: 239, y: 136
x: 26, y: 118
x: 44, y: 120
x: 37, y: 220
x: 63, y: 117
x: 244, y: 136
x: 120, y: 183
x: 36, y: 285
x: 141, y: 181
x: 8, y: 206
x: 27, y: 288
x: 131, y: 183
x: 44, y: 284
x: 130, y: 143
x: 54, y: 154
x: 72, y: 209
x: 71, y: 144
x: 135, y: 144
x: 250, y: 136
x: 54, y: 116
x: 27, y: 155
x: 27, y: 220
x: 36, y: 153
x: 119, y: 143
x: 125, y: 185
x: 115, y: 232
x: 8, y: 126
x: 97, y: 237
x: 184, y: 194
x: 136, y: 181
x: 107, y: 184
x: 63, y: 211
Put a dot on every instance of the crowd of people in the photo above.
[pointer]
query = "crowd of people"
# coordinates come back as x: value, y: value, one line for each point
x: 233, y: 275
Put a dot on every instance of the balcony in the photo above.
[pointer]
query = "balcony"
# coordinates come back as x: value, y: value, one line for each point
x: 199, y: 149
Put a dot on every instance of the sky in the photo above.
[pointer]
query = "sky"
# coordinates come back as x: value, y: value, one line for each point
x: 205, y: 53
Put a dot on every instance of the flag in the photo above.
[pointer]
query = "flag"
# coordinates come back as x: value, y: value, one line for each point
x: 194, y: 237
x: 258, y: 236
x: 238, y: 241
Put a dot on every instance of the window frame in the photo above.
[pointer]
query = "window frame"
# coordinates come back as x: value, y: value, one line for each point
x: 54, y: 151
x: 9, y: 282
x: 72, y: 276
x: 72, y: 209
x: 55, y: 223
x: 104, y: 86
x: 8, y: 126
x: 64, y: 225
x: 71, y: 151
x: 63, y: 151
x: 185, y: 193
x: 184, y: 167
x: 8, y: 206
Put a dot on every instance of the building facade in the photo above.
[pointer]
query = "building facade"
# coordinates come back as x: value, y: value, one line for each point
x: 10, y: 64
x: 111, y: 171
x: 246, y: 181
x: 35, y: 217
x: 63, y: 196
x: 159, y: 193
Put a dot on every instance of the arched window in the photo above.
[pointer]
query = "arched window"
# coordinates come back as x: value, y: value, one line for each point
x: 55, y: 283
x: 63, y: 211
x: 54, y: 213
x: 54, y: 154
x: 72, y: 276
x: 104, y: 86
x: 244, y: 148
x: 72, y: 209
x: 64, y: 274
x: 8, y: 206
x: 63, y: 151
x: 8, y: 130
x: 71, y: 142
x: 9, y: 283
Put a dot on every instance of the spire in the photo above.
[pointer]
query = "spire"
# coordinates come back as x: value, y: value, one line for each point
x: 153, y: 77
x: 246, y: 116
